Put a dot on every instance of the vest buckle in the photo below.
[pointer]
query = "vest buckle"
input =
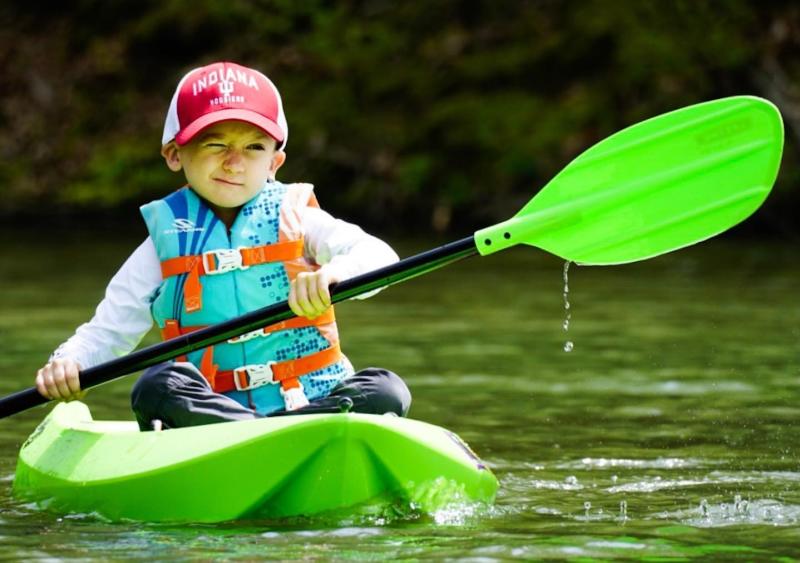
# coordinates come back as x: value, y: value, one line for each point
x: 252, y: 376
x: 295, y: 397
x: 223, y: 260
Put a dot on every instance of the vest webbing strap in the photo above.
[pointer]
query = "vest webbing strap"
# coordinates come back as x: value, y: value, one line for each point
x: 278, y: 252
x: 285, y: 373
x: 224, y: 260
x: 172, y: 329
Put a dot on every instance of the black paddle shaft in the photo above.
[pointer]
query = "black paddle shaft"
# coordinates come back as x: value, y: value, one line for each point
x: 400, y: 271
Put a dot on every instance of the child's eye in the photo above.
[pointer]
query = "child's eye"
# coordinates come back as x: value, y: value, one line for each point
x: 215, y: 145
x: 256, y: 147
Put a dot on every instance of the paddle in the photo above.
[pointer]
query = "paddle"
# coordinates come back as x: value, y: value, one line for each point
x: 657, y: 186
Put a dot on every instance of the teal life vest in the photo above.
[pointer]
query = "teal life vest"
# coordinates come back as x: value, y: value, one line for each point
x: 210, y: 276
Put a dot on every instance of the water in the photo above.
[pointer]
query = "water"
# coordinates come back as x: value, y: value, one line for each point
x: 568, y: 345
x: 667, y: 433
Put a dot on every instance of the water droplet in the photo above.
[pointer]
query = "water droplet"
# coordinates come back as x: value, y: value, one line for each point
x: 567, y: 315
x: 614, y: 478
x: 704, y: 508
x: 623, y: 509
x: 587, y: 506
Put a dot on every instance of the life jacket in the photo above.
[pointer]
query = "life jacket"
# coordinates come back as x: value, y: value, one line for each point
x: 210, y: 276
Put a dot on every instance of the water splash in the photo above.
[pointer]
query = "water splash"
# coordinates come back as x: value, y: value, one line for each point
x: 704, y: 512
x: 740, y: 507
x: 439, y: 493
x: 568, y: 345
x: 628, y: 463
x: 767, y: 512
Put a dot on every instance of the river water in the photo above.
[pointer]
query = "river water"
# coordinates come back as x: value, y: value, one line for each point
x: 668, y: 432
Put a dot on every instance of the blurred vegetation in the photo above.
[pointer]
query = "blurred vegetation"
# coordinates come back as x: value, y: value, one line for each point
x: 408, y: 115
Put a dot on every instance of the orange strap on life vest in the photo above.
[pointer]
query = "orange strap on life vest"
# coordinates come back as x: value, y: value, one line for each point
x: 172, y: 329
x: 224, y: 260
x: 302, y: 322
x: 285, y: 373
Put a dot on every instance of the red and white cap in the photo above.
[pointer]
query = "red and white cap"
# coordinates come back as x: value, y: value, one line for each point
x: 220, y: 92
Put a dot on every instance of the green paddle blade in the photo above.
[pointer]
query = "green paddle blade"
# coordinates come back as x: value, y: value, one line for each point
x: 657, y: 186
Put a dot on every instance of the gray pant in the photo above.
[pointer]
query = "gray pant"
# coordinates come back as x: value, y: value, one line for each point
x: 177, y: 394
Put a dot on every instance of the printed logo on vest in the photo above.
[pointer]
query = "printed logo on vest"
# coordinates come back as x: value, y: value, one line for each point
x: 183, y: 226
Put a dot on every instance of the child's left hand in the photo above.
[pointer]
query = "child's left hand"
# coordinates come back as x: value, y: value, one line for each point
x: 309, y: 295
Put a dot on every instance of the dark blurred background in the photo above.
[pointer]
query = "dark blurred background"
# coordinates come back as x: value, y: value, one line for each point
x: 410, y: 117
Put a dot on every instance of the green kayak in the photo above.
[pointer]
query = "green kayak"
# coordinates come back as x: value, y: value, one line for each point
x: 272, y: 467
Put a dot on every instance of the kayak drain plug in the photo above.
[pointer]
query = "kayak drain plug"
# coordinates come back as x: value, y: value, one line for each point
x: 345, y: 404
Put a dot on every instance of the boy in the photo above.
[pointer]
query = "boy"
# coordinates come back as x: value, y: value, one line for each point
x: 232, y: 240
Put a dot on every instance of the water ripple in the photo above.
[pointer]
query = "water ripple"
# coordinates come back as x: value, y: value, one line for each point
x: 658, y: 463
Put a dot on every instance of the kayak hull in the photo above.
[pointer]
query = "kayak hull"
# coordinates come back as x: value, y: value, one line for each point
x: 266, y: 468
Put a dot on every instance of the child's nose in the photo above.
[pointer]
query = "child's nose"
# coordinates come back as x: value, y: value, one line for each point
x: 233, y: 162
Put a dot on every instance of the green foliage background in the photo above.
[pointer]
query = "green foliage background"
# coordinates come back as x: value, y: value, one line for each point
x: 408, y: 115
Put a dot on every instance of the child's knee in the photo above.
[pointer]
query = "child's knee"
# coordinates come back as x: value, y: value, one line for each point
x: 150, y: 387
x: 390, y: 394
x: 401, y: 393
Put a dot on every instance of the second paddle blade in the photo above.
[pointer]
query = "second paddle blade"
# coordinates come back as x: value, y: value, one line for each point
x: 657, y: 186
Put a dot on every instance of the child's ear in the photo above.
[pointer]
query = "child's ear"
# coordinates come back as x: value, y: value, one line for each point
x: 277, y: 161
x: 171, y: 156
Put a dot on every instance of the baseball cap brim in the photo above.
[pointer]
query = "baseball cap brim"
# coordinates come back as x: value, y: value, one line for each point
x: 267, y: 125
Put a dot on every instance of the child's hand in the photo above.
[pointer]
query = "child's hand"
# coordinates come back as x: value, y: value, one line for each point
x: 309, y: 295
x: 59, y: 380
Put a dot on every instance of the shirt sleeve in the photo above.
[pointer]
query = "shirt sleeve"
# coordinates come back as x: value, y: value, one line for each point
x: 123, y: 316
x: 344, y: 248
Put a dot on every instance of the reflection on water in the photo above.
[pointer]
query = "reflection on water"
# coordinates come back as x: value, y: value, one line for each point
x: 669, y: 431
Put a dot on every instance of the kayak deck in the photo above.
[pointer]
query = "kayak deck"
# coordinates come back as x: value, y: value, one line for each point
x: 271, y: 467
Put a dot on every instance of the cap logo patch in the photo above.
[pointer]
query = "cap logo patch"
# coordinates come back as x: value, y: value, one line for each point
x: 226, y: 75
x: 226, y: 89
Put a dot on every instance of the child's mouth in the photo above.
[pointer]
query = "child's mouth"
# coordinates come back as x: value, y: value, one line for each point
x: 227, y: 182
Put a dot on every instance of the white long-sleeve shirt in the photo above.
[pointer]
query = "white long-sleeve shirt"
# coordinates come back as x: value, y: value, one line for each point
x: 123, y: 316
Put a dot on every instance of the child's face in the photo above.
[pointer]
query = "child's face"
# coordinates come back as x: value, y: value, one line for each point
x: 226, y: 164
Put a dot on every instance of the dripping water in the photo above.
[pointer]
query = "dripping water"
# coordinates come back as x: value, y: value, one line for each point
x: 568, y: 345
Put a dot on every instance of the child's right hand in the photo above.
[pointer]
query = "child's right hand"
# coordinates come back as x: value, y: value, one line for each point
x: 59, y: 380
